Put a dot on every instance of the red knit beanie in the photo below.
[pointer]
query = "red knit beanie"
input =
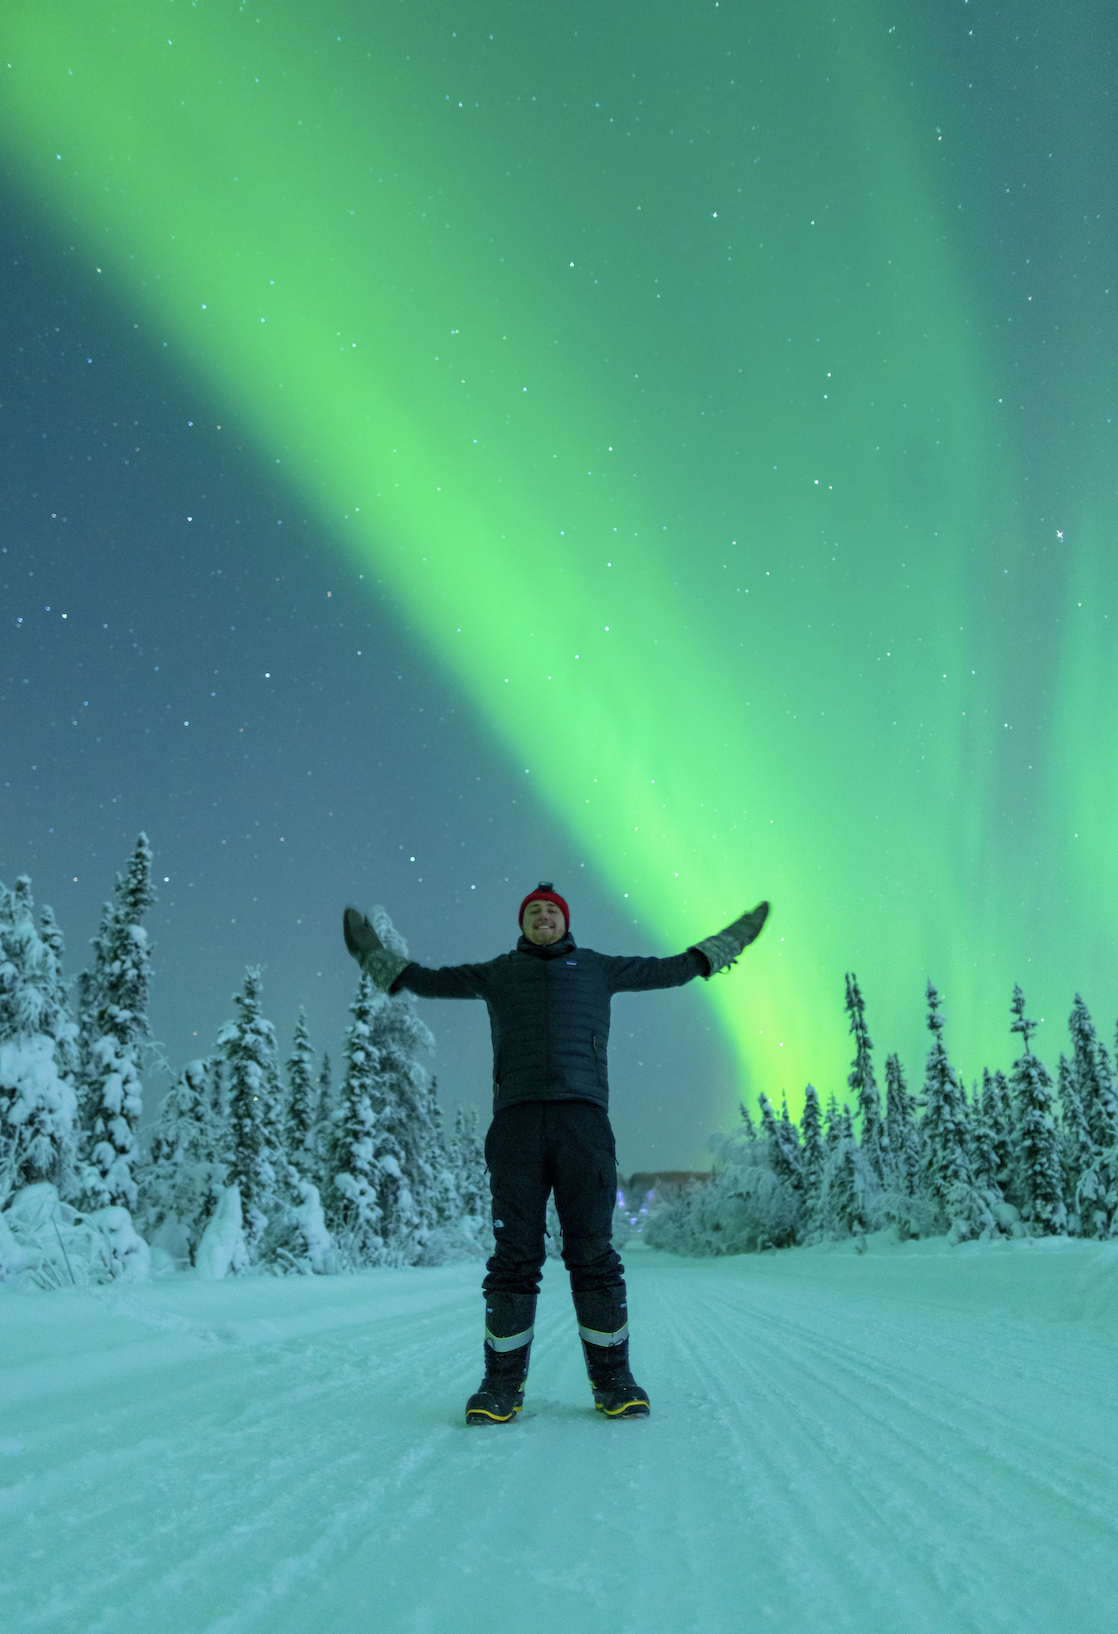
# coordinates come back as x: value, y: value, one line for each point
x: 544, y: 893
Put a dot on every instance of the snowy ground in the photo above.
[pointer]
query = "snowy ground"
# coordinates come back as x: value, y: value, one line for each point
x: 918, y: 1440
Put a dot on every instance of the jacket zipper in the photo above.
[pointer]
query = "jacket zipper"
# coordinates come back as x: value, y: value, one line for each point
x: 546, y: 966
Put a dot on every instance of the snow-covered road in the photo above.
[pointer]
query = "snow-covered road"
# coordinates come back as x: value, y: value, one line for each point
x: 921, y: 1440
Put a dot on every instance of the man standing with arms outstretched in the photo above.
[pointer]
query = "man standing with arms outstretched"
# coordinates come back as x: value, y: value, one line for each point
x: 549, y: 1013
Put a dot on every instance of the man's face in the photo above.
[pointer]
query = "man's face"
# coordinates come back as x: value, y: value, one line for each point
x: 543, y: 923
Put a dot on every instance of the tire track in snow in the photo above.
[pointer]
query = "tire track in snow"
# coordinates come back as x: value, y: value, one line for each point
x: 826, y: 1452
x: 949, y: 1470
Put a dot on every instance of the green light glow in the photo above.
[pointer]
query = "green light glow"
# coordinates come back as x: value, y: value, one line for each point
x: 644, y: 383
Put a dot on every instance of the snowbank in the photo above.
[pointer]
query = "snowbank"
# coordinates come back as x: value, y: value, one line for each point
x: 47, y: 1244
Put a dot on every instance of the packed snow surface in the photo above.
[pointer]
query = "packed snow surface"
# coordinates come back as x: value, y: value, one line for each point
x: 914, y: 1438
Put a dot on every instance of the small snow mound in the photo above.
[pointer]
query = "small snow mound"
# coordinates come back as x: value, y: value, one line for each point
x: 15, y: 1259
x: 312, y: 1223
x: 44, y: 1243
x: 128, y: 1252
x: 223, y: 1248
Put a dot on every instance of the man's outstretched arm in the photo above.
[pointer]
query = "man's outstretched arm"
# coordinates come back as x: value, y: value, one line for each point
x: 391, y: 971
x: 723, y: 949
x: 703, y: 959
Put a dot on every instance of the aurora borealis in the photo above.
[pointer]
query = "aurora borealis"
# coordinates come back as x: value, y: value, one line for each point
x: 721, y: 396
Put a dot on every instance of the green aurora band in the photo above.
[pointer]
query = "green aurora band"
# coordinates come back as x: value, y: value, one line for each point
x: 636, y: 363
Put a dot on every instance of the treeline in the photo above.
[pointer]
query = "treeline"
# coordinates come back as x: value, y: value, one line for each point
x: 1017, y: 1156
x: 248, y: 1165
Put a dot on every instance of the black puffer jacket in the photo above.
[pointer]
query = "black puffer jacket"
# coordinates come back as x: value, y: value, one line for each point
x: 549, y: 1012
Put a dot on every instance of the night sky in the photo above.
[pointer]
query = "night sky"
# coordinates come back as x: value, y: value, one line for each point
x: 668, y: 450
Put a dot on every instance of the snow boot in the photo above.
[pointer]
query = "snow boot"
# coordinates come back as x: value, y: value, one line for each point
x: 509, y: 1320
x: 603, y: 1327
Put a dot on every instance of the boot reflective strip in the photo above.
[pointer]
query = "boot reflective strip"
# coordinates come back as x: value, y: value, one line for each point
x: 515, y: 1341
x: 594, y: 1338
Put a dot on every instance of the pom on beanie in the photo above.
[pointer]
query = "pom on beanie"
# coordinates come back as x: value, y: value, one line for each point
x: 544, y: 893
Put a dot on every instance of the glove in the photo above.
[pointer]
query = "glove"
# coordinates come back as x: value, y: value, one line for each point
x: 381, y: 966
x: 721, y: 951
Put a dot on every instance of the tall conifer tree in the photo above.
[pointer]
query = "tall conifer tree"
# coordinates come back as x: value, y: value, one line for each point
x: 874, y: 1143
x: 114, y: 1031
x: 1039, y: 1182
x: 471, y: 1181
x: 784, y: 1144
x: 988, y: 1139
x: 353, y: 1209
x: 184, y: 1173
x: 1097, y: 1189
x: 38, y: 1103
x: 304, y: 1105
x: 327, y: 1115
x: 407, y: 1154
x: 1077, y: 1151
x: 832, y: 1124
x: 814, y: 1157
x: 749, y: 1127
x: 256, y: 1159
x: 944, y: 1127
x: 902, y: 1128
x: 843, y: 1210
x: 406, y: 1144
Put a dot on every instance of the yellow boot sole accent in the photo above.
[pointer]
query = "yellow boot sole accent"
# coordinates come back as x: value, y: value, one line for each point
x: 479, y: 1415
x: 637, y: 1408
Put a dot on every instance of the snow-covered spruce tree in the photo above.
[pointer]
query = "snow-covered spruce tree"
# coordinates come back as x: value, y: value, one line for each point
x: 406, y: 1143
x: 987, y: 1140
x: 1097, y: 1189
x: 906, y: 1204
x: 353, y: 1210
x: 327, y: 1115
x: 58, y: 994
x: 998, y: 1116
x: 902, y: 1129
x: 1077, y: 1152
x: 256, y: 1162
x: 406, y: 1147
x: 1094, y: 1078
x: 38, y: 1103
x: 850, y: 1197
x: 966, y: 1209
x: 113, y: 997
x: 219, y: 1091
x: 785, y: 1155
x: 1038, y: 1182
x: 832, y: 1124
x: 183, y: 1174
x: 471, y: 1182
x: 304, y: 1105
x: 874, y: 1142
x: 295, y: 1238
x: 790, y: 1136
x: 445, y: 1204
x: 814, y: 1159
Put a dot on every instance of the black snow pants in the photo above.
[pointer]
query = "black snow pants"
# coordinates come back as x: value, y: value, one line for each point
x: 533, y: 1148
